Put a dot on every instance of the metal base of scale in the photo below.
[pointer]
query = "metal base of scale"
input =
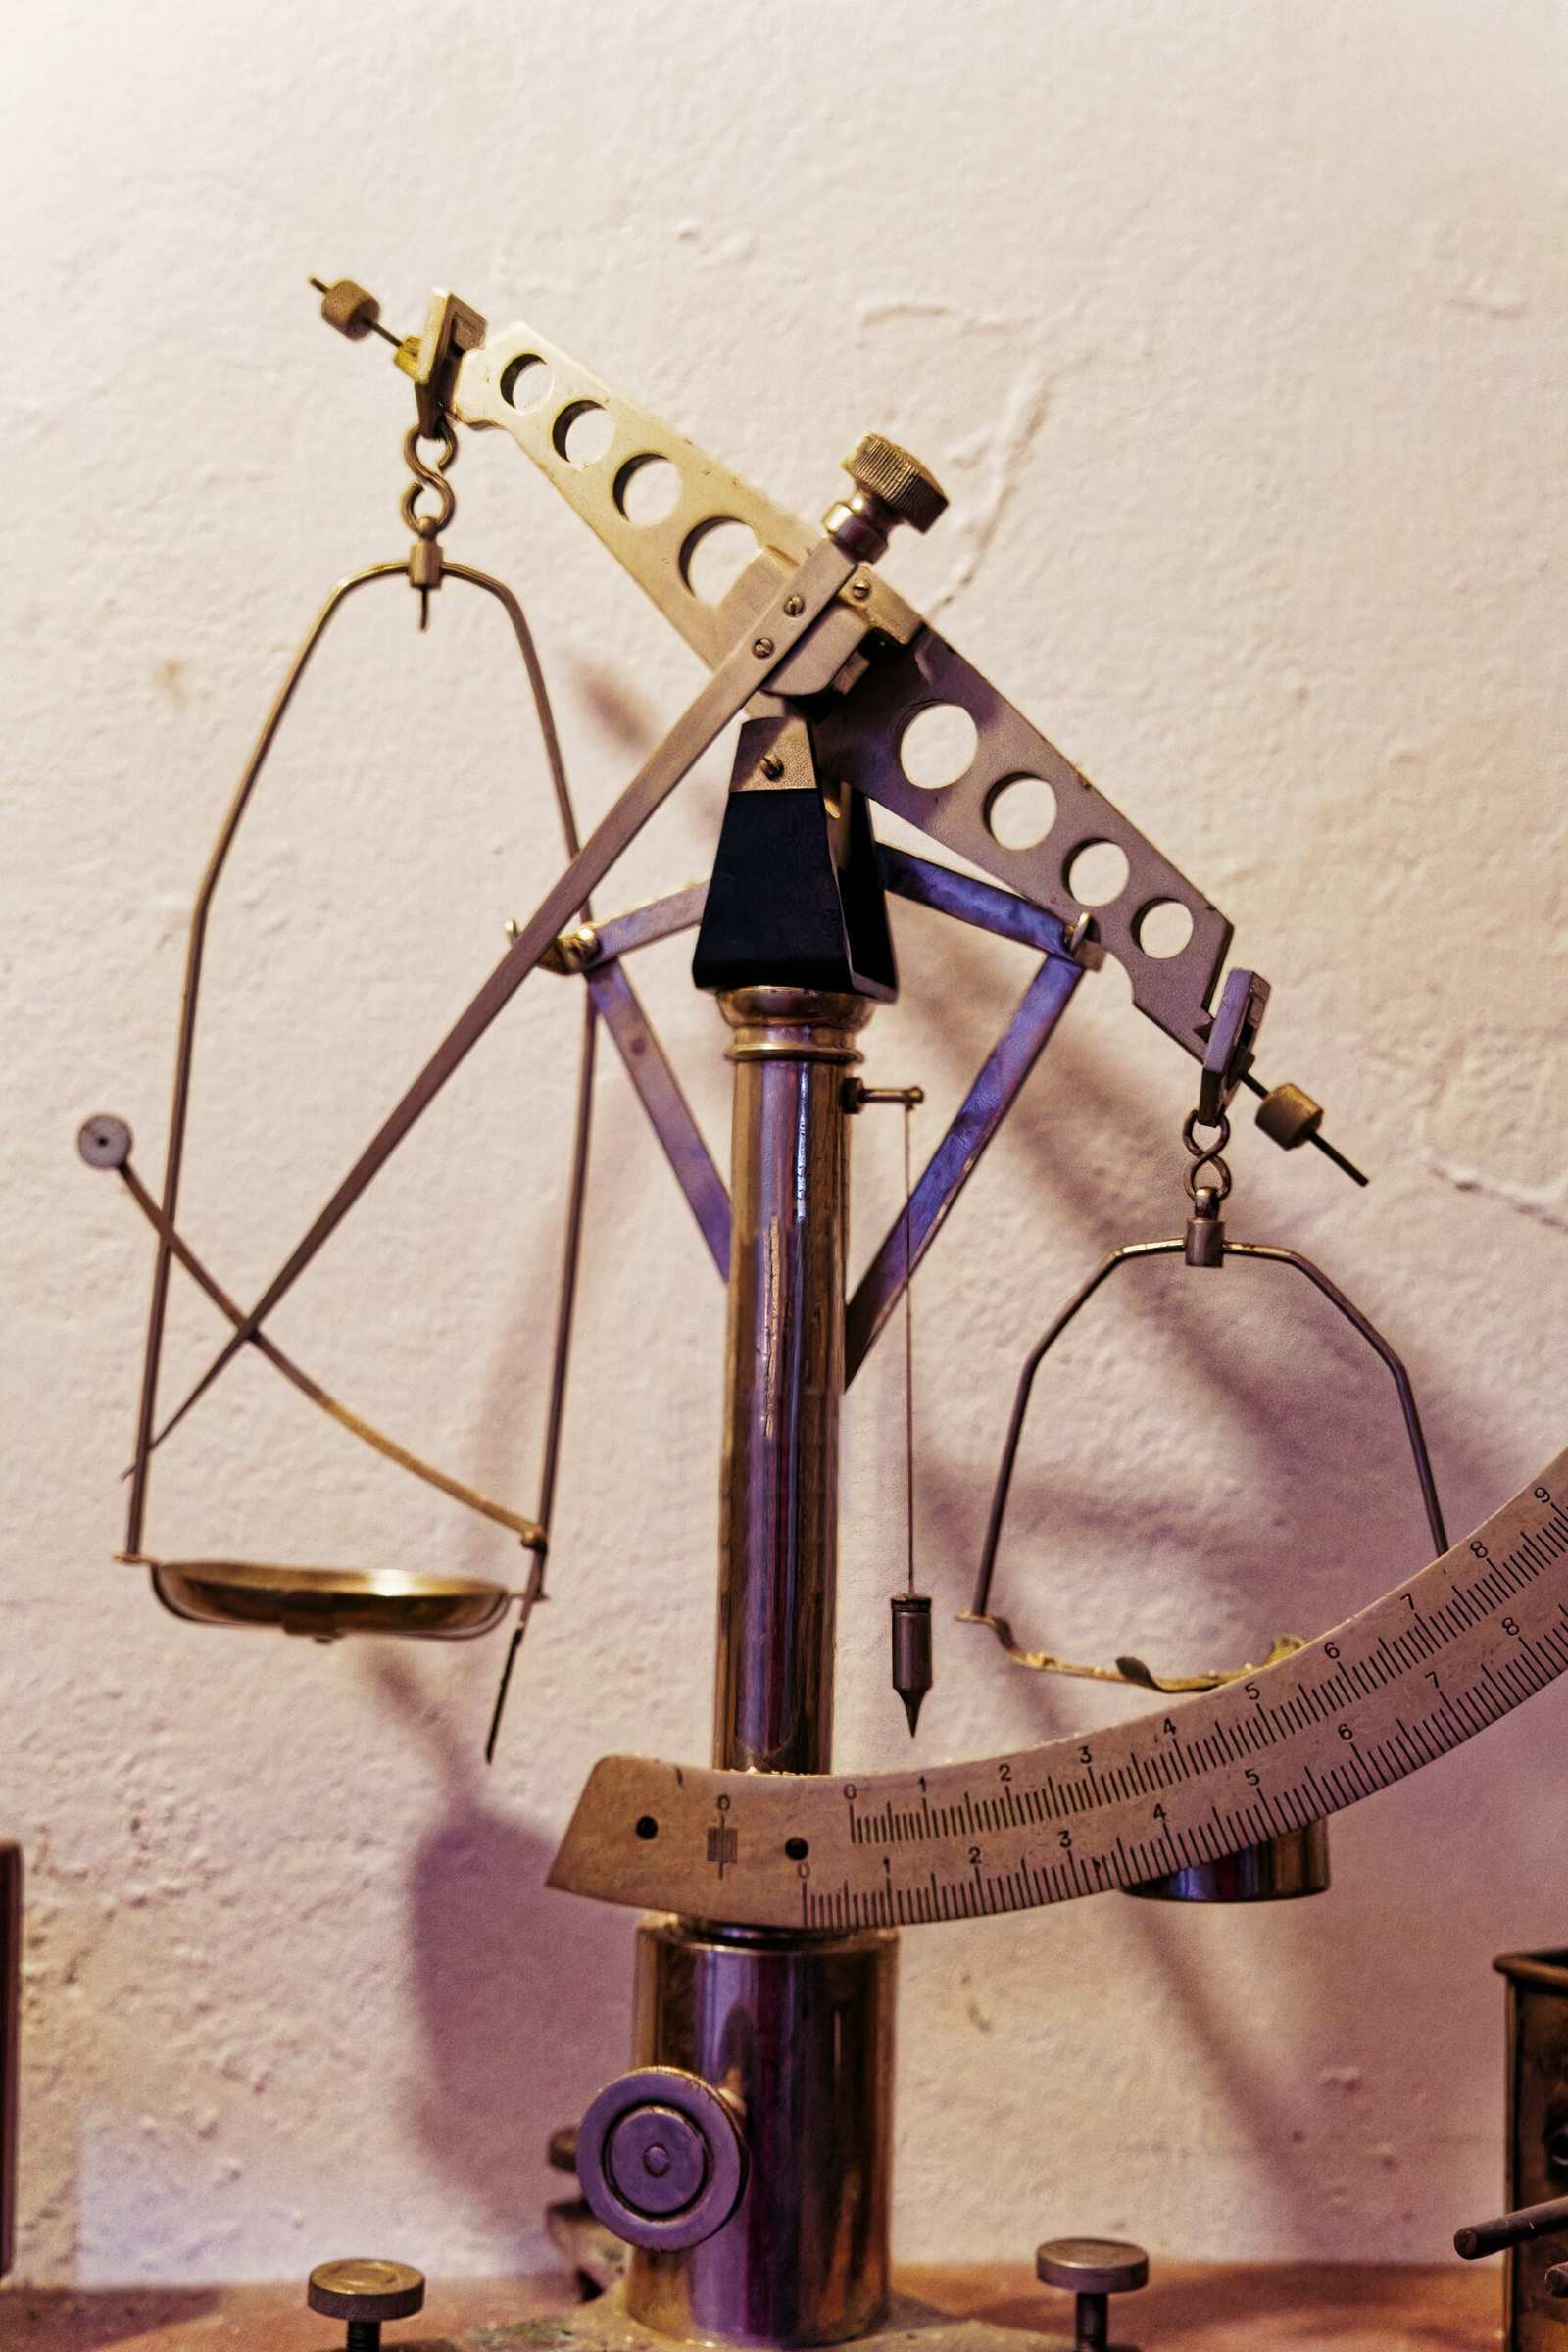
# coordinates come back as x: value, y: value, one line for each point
x: 605, y: 2326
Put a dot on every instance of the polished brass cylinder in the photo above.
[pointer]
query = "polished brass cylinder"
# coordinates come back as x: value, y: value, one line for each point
x: 799, y: 2036
x: 1279, y: 1870
x: 796, y: 2031
x: 778, y: 1525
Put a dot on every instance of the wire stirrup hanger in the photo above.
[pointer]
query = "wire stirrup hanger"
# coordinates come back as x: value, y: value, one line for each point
x: 329, y: 1602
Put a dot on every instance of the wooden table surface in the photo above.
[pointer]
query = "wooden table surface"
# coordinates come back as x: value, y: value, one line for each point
x: 1220, y: 2307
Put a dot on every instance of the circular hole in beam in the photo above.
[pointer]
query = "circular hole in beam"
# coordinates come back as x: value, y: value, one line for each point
x: 714, y: 556
x: 1020, y: 811
x: 938, y: 745
x: 1096, y: 872
x: 584, y: 432
x: 647, y: 489
x: 1163, y: 927
x: 525, y: 380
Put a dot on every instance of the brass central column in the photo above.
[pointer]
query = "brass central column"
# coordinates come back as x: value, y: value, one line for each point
x: 795, y: 2030
x: 779, y: 1493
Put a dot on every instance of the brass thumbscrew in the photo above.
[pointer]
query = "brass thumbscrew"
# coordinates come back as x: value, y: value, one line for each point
x: 365, y: 2293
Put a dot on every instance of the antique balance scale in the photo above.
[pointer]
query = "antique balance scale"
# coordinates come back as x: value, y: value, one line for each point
x: 742, y: 2169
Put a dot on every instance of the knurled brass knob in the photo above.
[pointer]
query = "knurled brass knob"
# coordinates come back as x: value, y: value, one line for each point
x: 662, y: 2158
x: 897, y: 481
x: 364, y: 2292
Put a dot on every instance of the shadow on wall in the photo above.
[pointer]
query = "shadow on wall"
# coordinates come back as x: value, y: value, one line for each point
x: 521, y: 1993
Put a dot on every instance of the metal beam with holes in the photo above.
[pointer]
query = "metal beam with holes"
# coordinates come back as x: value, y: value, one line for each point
x: 873, y: 669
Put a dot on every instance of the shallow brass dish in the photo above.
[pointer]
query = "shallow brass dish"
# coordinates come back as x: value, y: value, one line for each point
x: 324, y: 1604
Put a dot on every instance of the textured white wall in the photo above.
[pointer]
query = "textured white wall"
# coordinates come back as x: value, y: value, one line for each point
x: 1238, y: 335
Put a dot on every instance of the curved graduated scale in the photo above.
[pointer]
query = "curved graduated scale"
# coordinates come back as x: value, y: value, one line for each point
x: 1437, y: 1659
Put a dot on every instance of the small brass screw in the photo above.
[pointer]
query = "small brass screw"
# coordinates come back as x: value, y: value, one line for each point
x: 761, y: 647
x: 772, y: 765
x: 794, y: 606
x: 859, y: 589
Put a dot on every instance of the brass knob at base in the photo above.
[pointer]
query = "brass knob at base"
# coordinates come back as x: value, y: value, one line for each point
x: 662, y: 2158
x: 364, y: 2291
x: 1094, y: 2268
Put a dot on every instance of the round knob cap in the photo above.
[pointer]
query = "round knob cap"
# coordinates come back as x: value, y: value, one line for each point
x: 897, y: 481
x: 657, y: 2159
x: 104, y: 1142
x: 1091, y: 2266
x: 661, y: 2158
x: 365, y: 2288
